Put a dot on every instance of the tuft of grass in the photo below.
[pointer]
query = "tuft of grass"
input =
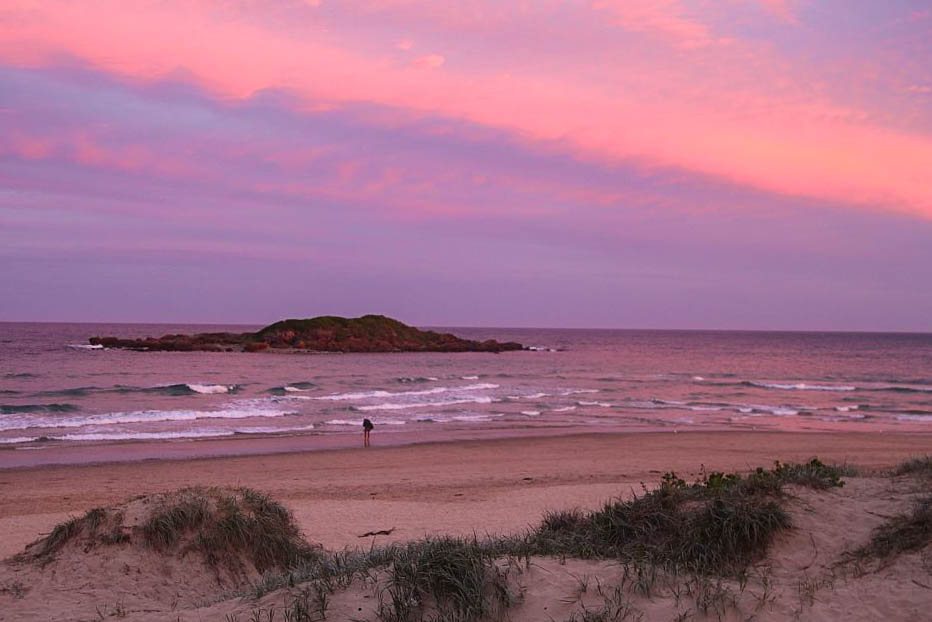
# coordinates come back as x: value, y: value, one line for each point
x: 222, y: 525
x: 715, y: 526
x: 97, y: 525
x: 719, y: 524
x: 901, y: 534
x: 458, y: 578
x: 616, y: 607
x: 915, y: 466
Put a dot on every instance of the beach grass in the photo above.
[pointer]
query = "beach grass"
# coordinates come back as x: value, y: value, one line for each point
x: 921, y: 465
x: 703, y: 531
x: 903, y: 533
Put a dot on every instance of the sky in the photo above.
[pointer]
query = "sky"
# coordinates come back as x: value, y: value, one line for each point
x: 724, y: 164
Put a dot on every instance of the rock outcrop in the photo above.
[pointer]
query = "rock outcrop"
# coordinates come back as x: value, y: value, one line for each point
x: 369, y: 333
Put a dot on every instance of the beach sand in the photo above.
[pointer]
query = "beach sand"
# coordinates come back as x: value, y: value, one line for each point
x: 483, y: 487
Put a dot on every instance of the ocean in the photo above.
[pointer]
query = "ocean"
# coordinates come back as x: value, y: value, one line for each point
x: 57, y: 392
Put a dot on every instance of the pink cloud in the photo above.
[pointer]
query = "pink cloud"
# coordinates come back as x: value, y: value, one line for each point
x: 430, y: 61
x: 721, y: 123
x: 664, y: 18
x: 784, y: 9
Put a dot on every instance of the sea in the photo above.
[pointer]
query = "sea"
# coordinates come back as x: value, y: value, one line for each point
x: 58, y: 392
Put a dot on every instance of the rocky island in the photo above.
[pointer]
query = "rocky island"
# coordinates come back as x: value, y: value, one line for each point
x: 369, y: 333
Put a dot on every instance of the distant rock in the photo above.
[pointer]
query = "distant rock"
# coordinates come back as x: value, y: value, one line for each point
x: 369, y: 333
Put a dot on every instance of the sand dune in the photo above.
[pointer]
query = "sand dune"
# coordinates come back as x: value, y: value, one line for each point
x: 500, y: 488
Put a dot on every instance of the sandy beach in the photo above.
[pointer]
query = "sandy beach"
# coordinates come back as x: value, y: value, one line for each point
x: 466, y: 488
x: 489, y: 486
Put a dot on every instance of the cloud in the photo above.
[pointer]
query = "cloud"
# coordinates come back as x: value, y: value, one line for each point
x: 742, y: 113
x: 784, y: 9
x: 405, y: 44
x: 430, y: 61
x: 668, y: 19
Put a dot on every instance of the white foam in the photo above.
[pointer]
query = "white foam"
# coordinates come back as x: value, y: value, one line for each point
x: 530, y: 413
x: 403, y: 406
x: 706, y: 408
x: 564, y: 409
x: 920, y: 418
x: 801, y: 386
x: 470, y: 377
x: 364, y: 395
x: 296, y: 389
x: 18, y: 439
x: 844, y: 409
x: 576, y: 391
x: 210, y: 388
x: 271, y: 429
x: 84, y: 346
x: 601, y: 404
x: 138, y: 416
x: 698, y: 378
x: 473, y: 418
x: 141, y: 436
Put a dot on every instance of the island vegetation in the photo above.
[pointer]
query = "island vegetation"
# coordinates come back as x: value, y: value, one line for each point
x: 369, y: 333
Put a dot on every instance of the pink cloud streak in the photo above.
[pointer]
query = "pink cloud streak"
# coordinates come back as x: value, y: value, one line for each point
x: 777, y: 143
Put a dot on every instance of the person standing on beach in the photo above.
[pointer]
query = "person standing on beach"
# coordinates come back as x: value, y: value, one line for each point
x: 366, y: 428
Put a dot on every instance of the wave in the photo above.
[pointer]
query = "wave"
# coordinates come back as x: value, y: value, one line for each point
x: 152, y: 436
x: 566, y: 392
x: 138, y: 416
x: 564, y: 409
x: 141, y: 436
x: 799, y: 386
x: 293, y: 387
x: 15, y: 376
x: 470, y: 377
x: 192, y: 388
x: 420, y: 379
x: 601, y: 404
x: 8, y: 392
x: 479, y: 399
x: 16, y: 409
x: 899, y: 388
x: 83, y: 346
x: 365, y: 395
x: 920, y: 418
x: 530, y: 413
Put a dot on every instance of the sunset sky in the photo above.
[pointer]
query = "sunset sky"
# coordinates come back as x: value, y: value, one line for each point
x: 761, y: 164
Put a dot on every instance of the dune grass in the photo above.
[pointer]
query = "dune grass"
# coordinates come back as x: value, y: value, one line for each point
x: 719, y: 524
x: 702, y: 532
x: 921, y: 465
x: 223, y: 525
x: 903, y: 533
x: 714, y: 527
x: 97, y: 525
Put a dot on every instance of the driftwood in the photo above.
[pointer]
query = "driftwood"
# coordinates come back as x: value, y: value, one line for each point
x: 381, y: 532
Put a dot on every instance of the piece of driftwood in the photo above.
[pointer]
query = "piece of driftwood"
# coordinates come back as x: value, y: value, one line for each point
x: 381, y: 532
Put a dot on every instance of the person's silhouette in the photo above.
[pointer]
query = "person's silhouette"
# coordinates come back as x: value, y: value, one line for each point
x: 366, y: 428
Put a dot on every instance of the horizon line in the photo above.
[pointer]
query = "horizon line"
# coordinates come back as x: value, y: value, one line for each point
x: 455, y: 326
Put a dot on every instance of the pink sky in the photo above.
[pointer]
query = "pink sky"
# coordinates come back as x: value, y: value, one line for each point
x: 569, y: 144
